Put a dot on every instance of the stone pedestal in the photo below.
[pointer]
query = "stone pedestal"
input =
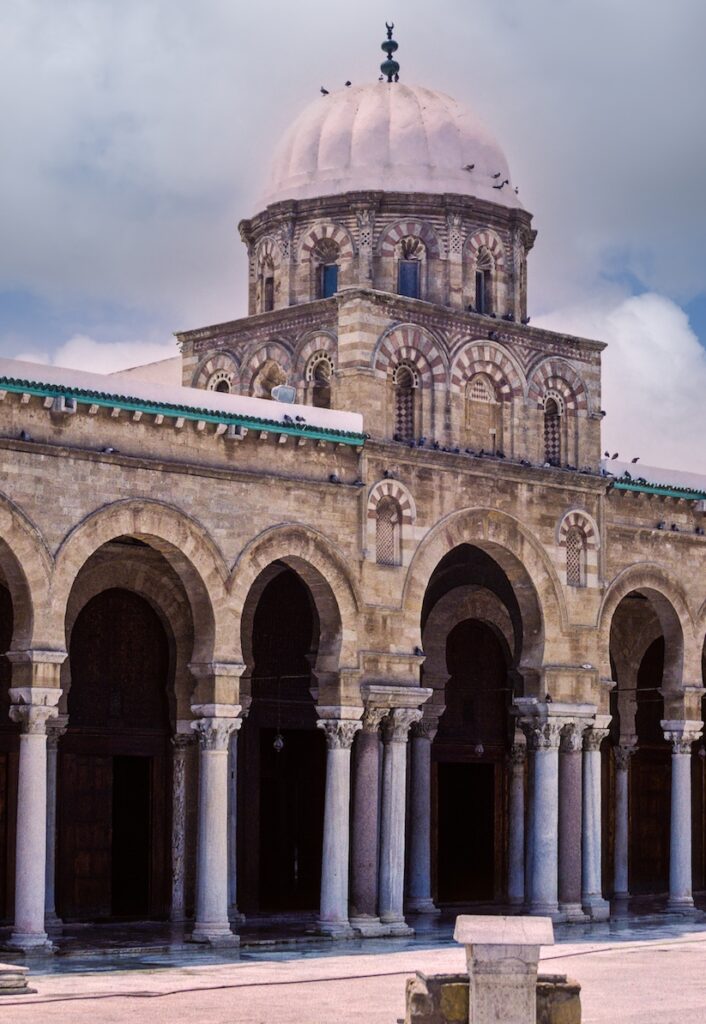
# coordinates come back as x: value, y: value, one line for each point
x: 333, y: 914
x: 597, y: 908
x: 365, y: 847
x: 31, y: 707
x: 502, y: 954
x: 516, y: 836
x: 622, y: 755
x: 392, y: 827
x: 214, y: 727
x: 681, y: 735
x: 419, y: 899
x: 56, y: 727
x: 180, y: 748
x: 570, y: 823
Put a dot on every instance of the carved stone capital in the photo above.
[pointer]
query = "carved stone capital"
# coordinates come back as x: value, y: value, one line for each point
x: 56, y: 727
x: 372, y: 717
x: 517, y: 755
x: 32, y: 707
x: 681, y: 742
x: 622, y: 755
x: 339, y: 732
x: 396, y: 725
x: 571, y: 738
x: 214, y: 733
x: 181, y: 742
x: 681, y: 734
x: 425, y: 729
x: 542, y: 735
x: 592, y: 738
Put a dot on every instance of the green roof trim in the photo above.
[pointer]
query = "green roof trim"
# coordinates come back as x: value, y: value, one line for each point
x: 663, y: 490
x: 131, y: 404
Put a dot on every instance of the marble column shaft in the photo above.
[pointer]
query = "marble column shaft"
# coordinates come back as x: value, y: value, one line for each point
x: 544, y: 741
x: 180, y: 748
x: 570, y: 771
x: 365, y: 846
x: 333, y: 913
x: 392, y: 829
x: 56, y: 727
x: 591, y: 852
x: 680, y: 884
x: 419, y: 888
x: 212, y: 924
x: 516, y: 835
x: 31, y: 846
x: 622, y: 755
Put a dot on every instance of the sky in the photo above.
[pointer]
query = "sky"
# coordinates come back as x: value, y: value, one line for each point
x: 135, y: 136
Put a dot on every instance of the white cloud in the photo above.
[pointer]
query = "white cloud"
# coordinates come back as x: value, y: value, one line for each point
x: 654, y: 377
x: 83, y: 353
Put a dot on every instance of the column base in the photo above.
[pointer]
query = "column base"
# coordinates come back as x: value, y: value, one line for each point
x: 235, y: 917
x: 546, y: 910
x: 336, y: 929
x: 214, y: 935
x: 680, y: 905
x: 422, y: 906
x: 398, y: 926
x: 30, y: 943
x: 573, y: 913
x: 53, y: 923
x: 368, y: 926
x: 596, y: 908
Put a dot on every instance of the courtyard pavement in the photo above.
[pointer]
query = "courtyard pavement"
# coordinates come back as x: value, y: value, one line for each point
x: 628, y: 975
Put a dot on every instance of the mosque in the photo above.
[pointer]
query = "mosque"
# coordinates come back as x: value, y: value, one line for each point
x: 339, y: 617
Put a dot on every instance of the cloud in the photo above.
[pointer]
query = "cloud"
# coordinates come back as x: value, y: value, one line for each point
x: 654, y: 377
x: 83, y: 353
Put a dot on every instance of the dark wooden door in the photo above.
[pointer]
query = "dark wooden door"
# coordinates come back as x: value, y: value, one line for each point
x: 85, y: 836
x: 650, y: 782
x: 466, y: 831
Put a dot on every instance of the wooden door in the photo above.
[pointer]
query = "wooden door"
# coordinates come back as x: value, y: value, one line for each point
x: 650, y: 781
x: 85, y: 836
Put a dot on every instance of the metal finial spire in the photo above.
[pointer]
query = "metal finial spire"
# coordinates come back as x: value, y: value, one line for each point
x: 390, y: 67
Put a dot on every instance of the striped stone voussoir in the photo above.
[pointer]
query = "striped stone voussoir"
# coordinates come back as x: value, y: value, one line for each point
x: 410, y: 345
x: 391, y: 489
x: 482, y: 357
x: 330, y: 232
x: 272, y: 350
x: 578, y: 518
x: 409, y: 229
x: 492, y: 243
x: 559, y: 376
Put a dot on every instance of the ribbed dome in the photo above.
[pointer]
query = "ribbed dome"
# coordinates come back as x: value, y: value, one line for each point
x: 395, y: 137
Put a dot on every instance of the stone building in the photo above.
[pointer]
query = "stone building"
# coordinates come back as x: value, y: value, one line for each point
x: 403, y: 643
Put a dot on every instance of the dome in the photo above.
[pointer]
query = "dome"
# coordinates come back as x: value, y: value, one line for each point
x: 394, y: 137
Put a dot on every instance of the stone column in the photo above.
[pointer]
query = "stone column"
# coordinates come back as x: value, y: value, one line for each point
x: 392, y: 825
x: 570, y: 822
x: 234, y: 914
x: 56, y: 727
x: 211, y: 924
x: 31, y: 707
x: 543, y: 738
x: 622, y: 755
x: 419, y: 900
x: 333, y: 913
x: 516, y: 830
x: 181, y: 743
x: 594, y: 905
x: 365, y: 846
x: 681, y: 735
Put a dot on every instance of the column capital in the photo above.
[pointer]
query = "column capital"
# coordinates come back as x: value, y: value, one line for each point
x: 372, y: 717
x: 622, y: 754
x: 56, y: 727
x: 681, y: 734
x: 571, y: 737
x: 543, y: 735
x: 214, y: 732
x: 182, y: 741
x: 592, y: 738
x: 32, y: 707
x: 339, y: 732
x: 425, y: 729
x: 397, y: 724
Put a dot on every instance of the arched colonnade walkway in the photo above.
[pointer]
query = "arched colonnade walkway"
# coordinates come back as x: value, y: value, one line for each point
x: 177, y: 732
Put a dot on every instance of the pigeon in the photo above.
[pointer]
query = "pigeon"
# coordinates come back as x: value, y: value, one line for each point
x: 324, y: 92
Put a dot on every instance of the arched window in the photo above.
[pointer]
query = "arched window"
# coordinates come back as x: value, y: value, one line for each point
x: 575, y: 557
x: 405, y: 382
x: 221, y: 380
x: 267, y: 286
x: 410, y: 254
x: 484, y: 281
x: 321, y: 384
x: 387, y: 532
x: 326, y: 259
x: 552, y: 432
